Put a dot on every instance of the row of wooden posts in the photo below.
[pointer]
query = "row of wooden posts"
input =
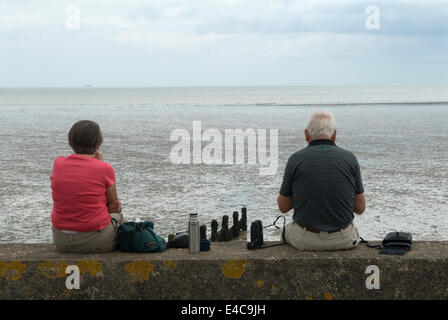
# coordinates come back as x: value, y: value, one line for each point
x: 226, y: 233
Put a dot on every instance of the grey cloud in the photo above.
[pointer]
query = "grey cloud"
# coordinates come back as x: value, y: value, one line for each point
x: 398, y: 18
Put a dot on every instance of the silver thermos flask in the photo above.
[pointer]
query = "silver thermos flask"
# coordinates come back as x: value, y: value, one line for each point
x: 193, y: 234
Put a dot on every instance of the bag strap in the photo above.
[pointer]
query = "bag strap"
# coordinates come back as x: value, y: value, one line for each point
x: 274, y: 224
x: 283, y: 233
x: 379, y: 246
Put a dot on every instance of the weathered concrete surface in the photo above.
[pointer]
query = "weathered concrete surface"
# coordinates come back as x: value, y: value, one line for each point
x: 228, y: 271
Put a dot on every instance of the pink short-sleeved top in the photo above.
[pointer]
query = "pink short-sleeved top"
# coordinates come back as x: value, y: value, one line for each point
x: 79, y: 185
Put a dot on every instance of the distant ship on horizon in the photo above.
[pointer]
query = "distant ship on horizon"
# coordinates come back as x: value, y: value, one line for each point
x: 88, y: 86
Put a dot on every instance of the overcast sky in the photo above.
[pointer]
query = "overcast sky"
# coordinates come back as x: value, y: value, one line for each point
x: 221, y: 42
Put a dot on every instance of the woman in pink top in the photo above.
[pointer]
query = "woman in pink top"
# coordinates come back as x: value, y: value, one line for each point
x: 86, y: 211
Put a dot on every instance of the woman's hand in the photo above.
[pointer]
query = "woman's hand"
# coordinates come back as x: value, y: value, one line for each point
x: 99, y: 155
x: 114, y: 207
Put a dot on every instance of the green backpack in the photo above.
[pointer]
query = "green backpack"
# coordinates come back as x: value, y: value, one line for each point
x: 139, y: 237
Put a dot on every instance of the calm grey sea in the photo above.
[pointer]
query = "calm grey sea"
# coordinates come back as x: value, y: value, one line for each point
x: 398, y: 132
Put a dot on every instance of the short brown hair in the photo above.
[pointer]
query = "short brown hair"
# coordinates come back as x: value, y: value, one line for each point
x: 85, y: 137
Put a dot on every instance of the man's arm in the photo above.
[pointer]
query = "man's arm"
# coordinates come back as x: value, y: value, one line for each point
x: 284, y: 203
x: 360, y: 203
x: 284, y: 199
x: 360, y: 200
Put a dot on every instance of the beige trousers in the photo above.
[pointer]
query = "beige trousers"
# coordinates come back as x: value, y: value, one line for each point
x: 304, y: 240
x: 103, y: 240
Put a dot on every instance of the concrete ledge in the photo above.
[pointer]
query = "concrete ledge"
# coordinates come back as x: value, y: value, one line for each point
x: 228, y: 271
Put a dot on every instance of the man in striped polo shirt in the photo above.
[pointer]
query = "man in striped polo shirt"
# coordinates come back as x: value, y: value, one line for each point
x: 322, y: 183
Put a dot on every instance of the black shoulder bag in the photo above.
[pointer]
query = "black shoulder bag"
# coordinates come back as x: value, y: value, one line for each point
x: 394, y: 243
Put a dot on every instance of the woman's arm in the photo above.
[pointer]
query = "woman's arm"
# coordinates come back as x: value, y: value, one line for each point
x: 113, y: 205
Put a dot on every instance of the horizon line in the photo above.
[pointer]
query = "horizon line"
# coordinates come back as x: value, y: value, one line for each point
x: 92, y: 86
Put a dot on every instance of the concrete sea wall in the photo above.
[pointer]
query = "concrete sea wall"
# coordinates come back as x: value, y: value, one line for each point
x: 227, y: 271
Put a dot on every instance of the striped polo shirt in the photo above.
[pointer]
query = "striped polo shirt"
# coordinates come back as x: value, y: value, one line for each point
x: 322, y: 180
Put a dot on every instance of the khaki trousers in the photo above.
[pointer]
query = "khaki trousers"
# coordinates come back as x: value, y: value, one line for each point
x: 304, y: 240
x: 103, y: 240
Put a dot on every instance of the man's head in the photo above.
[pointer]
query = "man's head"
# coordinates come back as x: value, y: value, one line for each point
x: 320, y: 126
x: 85, y: 137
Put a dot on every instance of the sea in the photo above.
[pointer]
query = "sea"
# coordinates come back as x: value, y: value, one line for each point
x: 399, y: 133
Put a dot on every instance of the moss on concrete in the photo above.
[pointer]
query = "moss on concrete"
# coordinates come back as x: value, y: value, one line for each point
x: 227, y: 271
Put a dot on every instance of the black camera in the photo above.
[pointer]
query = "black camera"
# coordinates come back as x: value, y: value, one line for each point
x: 256, y: 235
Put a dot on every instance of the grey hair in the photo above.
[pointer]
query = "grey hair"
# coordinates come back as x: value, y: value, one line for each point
x: 321, y: 124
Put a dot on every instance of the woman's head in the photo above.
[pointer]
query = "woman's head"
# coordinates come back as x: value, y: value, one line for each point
x: 85, y: 137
